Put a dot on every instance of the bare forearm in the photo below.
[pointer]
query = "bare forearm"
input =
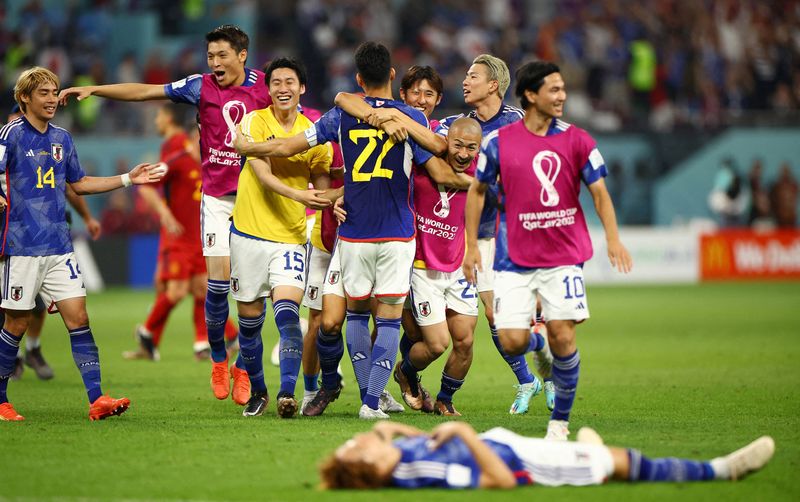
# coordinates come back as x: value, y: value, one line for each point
x: 130, y: 92
x: 334, y: 194
x: 154, y: 201
x: 78, y: 203
x: 476, y: 197
x: 494, y: 472
x: 353, y: 105
x: 426, y: 138
x: 607, y: 215
x: 97, y: 184
x: 441, y: 172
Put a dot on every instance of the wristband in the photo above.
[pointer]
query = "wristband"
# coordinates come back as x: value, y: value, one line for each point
x: 126, y: 180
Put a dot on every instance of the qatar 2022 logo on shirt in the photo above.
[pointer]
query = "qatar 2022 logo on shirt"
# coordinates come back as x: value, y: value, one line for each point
x: 546, y: 166
x: 232, y: 112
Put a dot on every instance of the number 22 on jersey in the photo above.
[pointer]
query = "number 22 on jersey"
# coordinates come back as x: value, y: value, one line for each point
x: 48, y: 178
x: 374, y: 138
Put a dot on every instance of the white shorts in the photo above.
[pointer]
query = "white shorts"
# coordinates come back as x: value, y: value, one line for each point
x: 332, y: 284
x: 379, y: 268
x: 257, y: 267
x: 319, y: 276
x: 560, y: 289
x: 485, y: 279
x: 215, y: 224
x: 55, y: 277
x: 433, y: 292
x: 557, y: 463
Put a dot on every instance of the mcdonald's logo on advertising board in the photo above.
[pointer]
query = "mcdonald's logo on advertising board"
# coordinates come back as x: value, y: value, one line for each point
x: 745, y: 254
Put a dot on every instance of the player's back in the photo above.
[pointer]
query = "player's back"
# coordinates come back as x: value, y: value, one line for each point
x: 378, y: 191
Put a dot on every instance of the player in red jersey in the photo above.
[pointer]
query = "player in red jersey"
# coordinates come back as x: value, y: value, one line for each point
x: 181, y: 268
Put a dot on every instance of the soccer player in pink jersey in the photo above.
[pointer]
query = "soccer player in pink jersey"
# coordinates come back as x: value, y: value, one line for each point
x: 542, y: 240
x: 223, y: 97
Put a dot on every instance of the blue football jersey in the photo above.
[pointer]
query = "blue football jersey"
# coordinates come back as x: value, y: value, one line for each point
x: 507, y: 115
x: 452, y: 465
x: 187, y: 90
x: 36, y: 168
x: 377, y: 180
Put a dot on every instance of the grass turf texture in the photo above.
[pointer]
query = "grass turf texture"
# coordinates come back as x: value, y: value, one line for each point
x: 692, y: 371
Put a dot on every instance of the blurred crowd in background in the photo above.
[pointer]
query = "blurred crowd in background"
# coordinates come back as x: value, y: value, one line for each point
x: 650, y: 65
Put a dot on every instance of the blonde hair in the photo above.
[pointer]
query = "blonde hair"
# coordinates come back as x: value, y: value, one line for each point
x: 30, y: 80
x: 498, y: 70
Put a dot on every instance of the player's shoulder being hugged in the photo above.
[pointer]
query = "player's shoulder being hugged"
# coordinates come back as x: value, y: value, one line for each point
x: 11, y: 129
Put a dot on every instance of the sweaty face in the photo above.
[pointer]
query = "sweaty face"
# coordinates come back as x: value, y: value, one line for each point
x: 226, y: 65
x: 476, y: 85
x: 422, y: 96
x: 463, y: 145
x: 285, y: 88
x: 42, y: 103
x: 550, y: 98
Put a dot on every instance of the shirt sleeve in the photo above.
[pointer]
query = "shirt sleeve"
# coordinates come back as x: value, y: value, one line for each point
x: 595, y: 168
x: 320, y: 159
x: 5, y: 152
x: 488, y: 160
x: 444, y: 127
x: 74, y: 170
x: 326, y: 128
x: 185, y: 90
x: 255, y: 127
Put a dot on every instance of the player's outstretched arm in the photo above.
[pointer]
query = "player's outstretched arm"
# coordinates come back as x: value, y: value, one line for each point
x: 441, y: 172
x: 494, y: 472
x: 476, y: 197
x: 139, y: 175
x: 426, y: 138
x: 277, y: 147
x: 617, y: 254
x: 120, y: 92
x: 309, y: 198
x: 79, y: 204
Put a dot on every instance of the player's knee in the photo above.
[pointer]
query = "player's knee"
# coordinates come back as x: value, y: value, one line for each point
x: 77, y: 320
x: 513, y: 346
x: 463, y: 345
x: 438, y: 346
x: 17, y: 326
x: 331, y: 324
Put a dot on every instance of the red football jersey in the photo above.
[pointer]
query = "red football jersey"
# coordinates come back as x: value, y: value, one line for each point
x: 182, y: 188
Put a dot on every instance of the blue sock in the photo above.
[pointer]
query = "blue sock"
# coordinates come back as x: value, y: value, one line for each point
x: 330, y: 348
x: 384, y: 355
x: 405, y: 345
x: 287, y: 318
x: 311, y: 382
x: 667, y: 469
x: 565, y: 379
x: 410, y: 371
x: 449, y: 387
x: 359, y: 345
x: 9, y: 345
x: 518, y: 364
x: 537, y: 342
x: 216, y: 317
x: 87, y: 359
x: 252, y: 351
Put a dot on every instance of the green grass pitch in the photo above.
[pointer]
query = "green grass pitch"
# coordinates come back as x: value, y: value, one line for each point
x: 693, y: 371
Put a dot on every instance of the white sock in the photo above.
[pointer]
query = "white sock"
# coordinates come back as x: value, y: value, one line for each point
x: 31, y: 343
x: 721, y: 468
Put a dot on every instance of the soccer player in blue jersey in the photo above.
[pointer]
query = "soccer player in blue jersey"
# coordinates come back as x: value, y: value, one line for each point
x: 377, y: 240
x: 484, y: 87
x: 38, y: 160
x: 454, y: 456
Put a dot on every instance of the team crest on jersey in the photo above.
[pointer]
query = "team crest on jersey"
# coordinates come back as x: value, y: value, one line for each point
x: 234, y: 284
x: 313, y: 292
x: 16, y: 293
x: 211, y: 239
x: 424, y: 309
x: 333, y: 277
x: 57, y: 151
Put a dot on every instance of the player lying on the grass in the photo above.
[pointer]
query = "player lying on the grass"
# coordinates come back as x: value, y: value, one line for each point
x: 454, y: 455
x: 39, y: 160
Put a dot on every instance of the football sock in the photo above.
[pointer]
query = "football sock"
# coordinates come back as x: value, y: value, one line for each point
x: 287, y: 319
x: 667, y: 469
x: 9, y: 344
x: 87, y: 359
x: 330, y: 348
x: 410, y: 371
x: 251, y: 350
x: 565, y: 379
x: 384, y: 355
x: 405, y: 345
x: 158, y: 316
x: 359, y: 345
x: 310, y: 382
x: 199, y: 319
x: 537, y: 342
x: 32, y: 342
x: 518, y: 364
x: 216, y: 316
x: 449, y: 387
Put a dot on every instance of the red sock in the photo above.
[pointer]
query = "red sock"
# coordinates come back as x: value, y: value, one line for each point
x: 231, y: 331
x: 199, y: 315
x: 158, y: 317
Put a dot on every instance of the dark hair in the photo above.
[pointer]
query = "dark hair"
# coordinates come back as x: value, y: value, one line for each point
x: 176, y: 112
x: 530, y: 77
x: 373, y: 63
x: 417, y: 73
x: 230, y: 33
x: 290, y: 63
